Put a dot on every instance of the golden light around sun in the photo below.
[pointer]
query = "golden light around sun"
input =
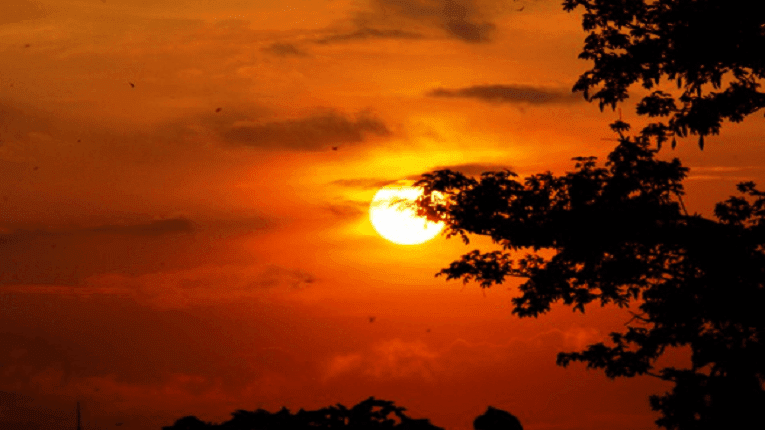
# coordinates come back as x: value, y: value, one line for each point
x: 393, y: 216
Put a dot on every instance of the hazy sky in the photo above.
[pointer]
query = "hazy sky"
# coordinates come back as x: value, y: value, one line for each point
x: 177, y: 236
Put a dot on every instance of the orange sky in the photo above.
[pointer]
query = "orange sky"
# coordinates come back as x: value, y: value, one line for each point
x: 192, y: 245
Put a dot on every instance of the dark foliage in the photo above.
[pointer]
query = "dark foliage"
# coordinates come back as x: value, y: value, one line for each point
x: 619, y: 235
x: 712, y: 49
x: 370, y: 414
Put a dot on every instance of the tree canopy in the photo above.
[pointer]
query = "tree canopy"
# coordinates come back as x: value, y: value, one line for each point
x: 370, y: 414
x: 619, y: 234
x: 712, y: 50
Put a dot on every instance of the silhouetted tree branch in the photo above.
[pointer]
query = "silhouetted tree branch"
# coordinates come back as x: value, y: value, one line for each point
x: 617, y: 235
x: 712, y: 50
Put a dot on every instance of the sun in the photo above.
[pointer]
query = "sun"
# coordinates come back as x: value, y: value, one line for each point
x: 393, y: 216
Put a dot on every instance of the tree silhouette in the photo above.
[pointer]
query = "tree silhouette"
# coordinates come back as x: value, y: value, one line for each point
x: 712, y: 50
x: 619, y: 235
x: 370, y: 414
x: 496, y: 419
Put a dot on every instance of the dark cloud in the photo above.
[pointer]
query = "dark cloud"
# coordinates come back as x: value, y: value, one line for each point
x: 154, y: 228
x: 348, y: 210
x: 309, y: 134
x: 510, y: 94
x: 281, y: 277
x: 66, y: 256
x: 369, y: 33
x: 284, y: 50
x: 469, y: 31
x: 363, y: 183
x: 461, y: 19
x: 472, y: 169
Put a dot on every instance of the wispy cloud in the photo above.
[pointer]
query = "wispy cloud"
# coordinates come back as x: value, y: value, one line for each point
x: 348, y: 209
x: 514, y: 94
x: 391, y: 359
x: 470, y: 169
x: 284, y: 50
x: 308, y: 134
x: 176, y: 289
x: 369, y: 33
x: 716, y: 173
x: 153, y: 228
x: 398, y: 359
x: 461, y: 19
x: 363, y: 183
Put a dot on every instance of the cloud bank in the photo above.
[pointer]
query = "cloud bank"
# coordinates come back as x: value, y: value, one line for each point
x: 312, y: 133
x: 513, y: 94
x: 461, y: 19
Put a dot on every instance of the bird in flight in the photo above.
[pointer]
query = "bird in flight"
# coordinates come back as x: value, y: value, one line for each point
x: 371, y: 319
x: 132, y: 85
x: 334, y: 148
x: 218, y: 110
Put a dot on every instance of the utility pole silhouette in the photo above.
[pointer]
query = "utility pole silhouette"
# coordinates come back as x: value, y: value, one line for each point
x: 79, y: 421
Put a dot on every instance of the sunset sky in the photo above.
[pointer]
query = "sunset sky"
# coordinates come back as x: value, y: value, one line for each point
x: 178, y: 236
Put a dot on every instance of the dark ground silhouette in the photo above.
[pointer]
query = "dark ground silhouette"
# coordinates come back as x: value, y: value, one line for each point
x: 370, y: 414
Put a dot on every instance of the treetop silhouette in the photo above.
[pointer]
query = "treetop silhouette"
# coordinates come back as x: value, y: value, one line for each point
x: 496, y: 419
x: 712, y: 50
x: 370, y: 414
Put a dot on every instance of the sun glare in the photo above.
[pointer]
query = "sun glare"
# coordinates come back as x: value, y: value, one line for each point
x: 393, y: 216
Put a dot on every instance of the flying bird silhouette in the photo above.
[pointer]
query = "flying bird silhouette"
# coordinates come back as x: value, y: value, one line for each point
x: 371, y: 319
x: 334, y: 148
x: 132, y: 85
x: 218, y: 110
x: 522, y: 7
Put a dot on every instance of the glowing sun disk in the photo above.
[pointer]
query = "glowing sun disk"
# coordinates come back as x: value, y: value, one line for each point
x: 393, y: 216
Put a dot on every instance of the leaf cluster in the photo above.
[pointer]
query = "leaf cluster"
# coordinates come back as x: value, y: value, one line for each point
x: 712, y: 50
x: 618, y: 234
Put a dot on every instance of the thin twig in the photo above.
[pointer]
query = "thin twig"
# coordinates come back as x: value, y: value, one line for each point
x: 682, y: 204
